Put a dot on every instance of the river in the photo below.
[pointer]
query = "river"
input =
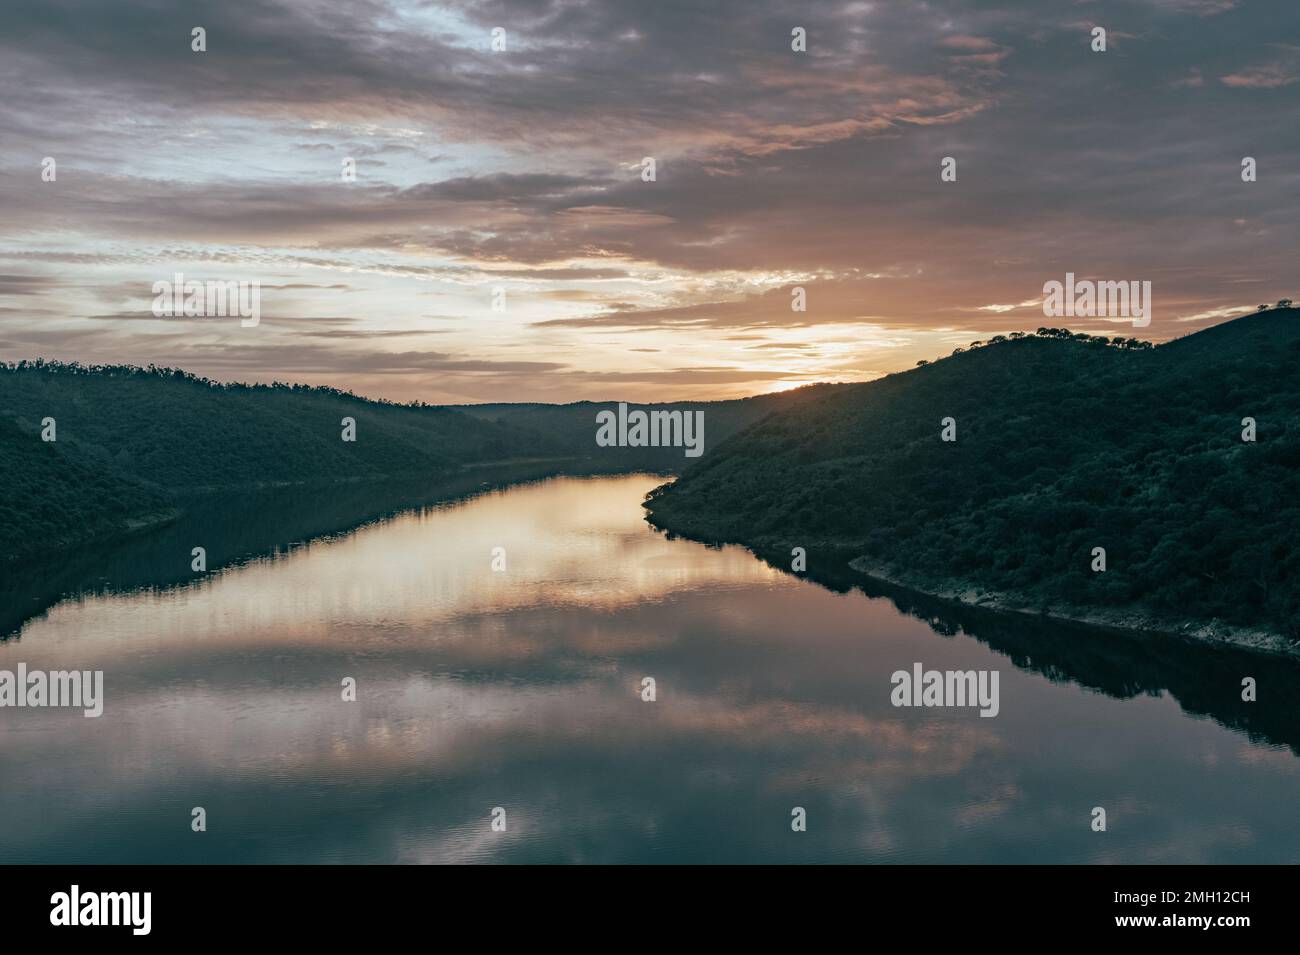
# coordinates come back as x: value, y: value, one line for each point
x: 521, y: 690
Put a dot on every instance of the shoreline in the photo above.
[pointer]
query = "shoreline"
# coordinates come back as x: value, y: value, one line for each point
x: 1134, y: 621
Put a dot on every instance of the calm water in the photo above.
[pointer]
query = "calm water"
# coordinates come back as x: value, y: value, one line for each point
x: 520, y: 689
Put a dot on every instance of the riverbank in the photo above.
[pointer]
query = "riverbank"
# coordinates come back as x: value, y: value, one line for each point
x: 1135, y: 620
x: 838, y: 564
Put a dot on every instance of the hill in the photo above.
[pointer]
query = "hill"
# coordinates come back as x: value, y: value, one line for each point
x: 1063, y: 444
x: 53, y: 499
x: 134, y: 446
x: 180, y: 432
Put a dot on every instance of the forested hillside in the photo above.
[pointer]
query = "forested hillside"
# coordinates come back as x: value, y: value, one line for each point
x: 1063, y: 444
x: 178, y: 431
x: 130, y: 442
x: 134, y: 445
x: 51, y: 499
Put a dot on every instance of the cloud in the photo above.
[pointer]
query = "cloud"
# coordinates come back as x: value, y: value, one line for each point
x: 24, y: 284
x: 1262, y: 77
x: 344, y: 333
x: 774, y: 169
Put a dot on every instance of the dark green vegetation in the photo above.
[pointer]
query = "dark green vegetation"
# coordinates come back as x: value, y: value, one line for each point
x: 1063, y: 444
x: 135, y: 446
x: 133, y: 443
x: 52, y: 498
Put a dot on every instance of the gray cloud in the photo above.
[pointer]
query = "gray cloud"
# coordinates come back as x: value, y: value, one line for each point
x: 821, y: 167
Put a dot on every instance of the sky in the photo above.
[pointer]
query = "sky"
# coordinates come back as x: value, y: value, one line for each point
x: 500, y: 240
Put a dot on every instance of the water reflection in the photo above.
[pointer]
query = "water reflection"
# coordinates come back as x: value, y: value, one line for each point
x: 520, y: 689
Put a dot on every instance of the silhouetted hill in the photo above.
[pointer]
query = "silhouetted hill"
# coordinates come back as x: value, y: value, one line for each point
x: 131, y: 443
x: 135, y: 445
x: 1063, y: 445
x: 180, y: 432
